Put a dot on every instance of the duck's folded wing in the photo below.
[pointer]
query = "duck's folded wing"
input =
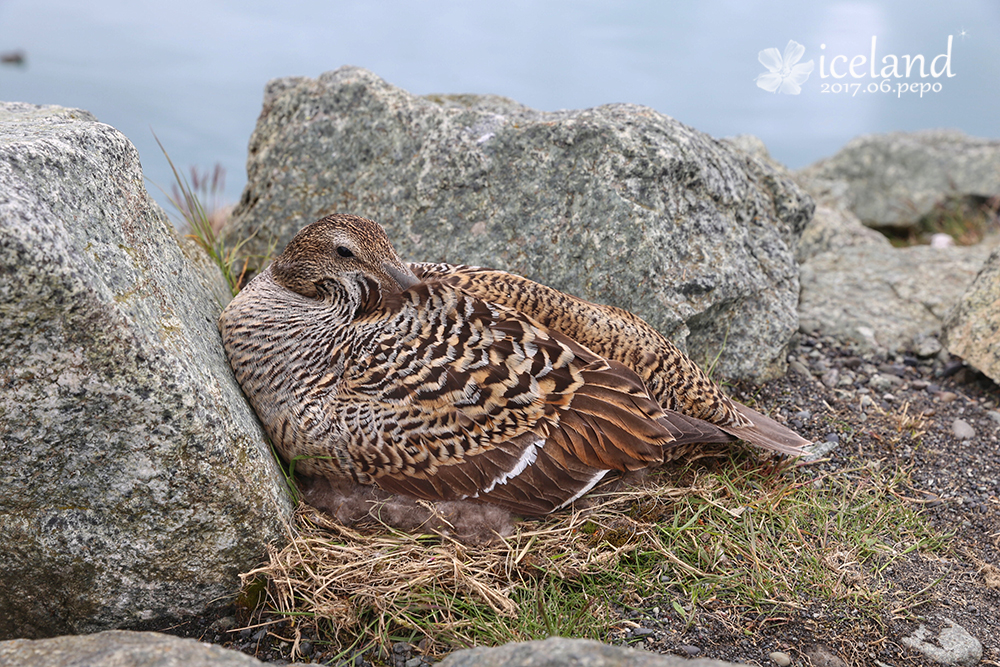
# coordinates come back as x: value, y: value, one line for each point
x: 671, y: 378
x: 466, y: 399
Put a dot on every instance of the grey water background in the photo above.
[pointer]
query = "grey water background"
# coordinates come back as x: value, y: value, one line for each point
x: 194, y: 71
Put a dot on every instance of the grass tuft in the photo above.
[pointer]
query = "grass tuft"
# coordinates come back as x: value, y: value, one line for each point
x: 207, y: 225
x: 966, y: 219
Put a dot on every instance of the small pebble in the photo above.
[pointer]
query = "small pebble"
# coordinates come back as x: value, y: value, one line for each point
x: 920, y: 384
x: 890, y: 369
x: 414, y: 662
x: 246, y: 632
x: 952, y: 645
x: 951, y: 368
x: 830, y: 378
x: 995, y: 416
x: 888, y: 398
x: 800, y: 368
x: 690, y: 650
x: 927, y: 346
x: 780, y: 659
x: 223, y: 624
x: 883, y: 382
x: 306, y: 648
x: 642, y: 632
x: 963, y: 429
x: 942, y: 240
x: 832, y: 437
x: 946, y: 396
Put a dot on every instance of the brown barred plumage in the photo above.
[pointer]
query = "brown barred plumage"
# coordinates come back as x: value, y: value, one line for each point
x: 450, y: 382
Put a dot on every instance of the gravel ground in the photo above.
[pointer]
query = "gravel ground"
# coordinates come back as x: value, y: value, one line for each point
x: 845, y: 398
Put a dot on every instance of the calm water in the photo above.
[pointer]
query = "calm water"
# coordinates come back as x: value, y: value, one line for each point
x: 194, y: 72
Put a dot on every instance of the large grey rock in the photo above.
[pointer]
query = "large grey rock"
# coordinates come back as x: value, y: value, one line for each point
x: 896, y: 179
x: 973, y: 328
x: 118, y: 648
x: 885, y: 297
x: 561, y: 652
x: 755, y: 146
x: 857, y: 286
x: 617, y: 204
x: 831, y: 227
x: 134, y: 479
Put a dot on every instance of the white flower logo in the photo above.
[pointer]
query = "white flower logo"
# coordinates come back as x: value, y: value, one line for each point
x: 783, y: 75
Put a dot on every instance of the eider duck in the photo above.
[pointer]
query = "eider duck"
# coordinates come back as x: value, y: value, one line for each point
x: 444, y: 382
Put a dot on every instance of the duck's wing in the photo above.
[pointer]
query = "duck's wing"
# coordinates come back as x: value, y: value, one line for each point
x: 673, y: 379
x: 459, y: 398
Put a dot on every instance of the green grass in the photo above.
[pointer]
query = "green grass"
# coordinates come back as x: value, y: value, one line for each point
x: 765, y: 540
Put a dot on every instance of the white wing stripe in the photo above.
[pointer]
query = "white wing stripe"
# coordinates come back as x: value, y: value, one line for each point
x: 598, y: 476
x: 527, y: 457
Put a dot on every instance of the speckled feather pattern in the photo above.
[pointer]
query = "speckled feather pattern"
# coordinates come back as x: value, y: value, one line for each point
x: 673, y: 380
x: 443, y: 384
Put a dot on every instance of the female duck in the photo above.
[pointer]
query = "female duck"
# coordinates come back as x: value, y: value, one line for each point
x: 445, y: 383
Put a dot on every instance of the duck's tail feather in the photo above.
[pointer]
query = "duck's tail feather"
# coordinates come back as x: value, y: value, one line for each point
x: 768, y: 434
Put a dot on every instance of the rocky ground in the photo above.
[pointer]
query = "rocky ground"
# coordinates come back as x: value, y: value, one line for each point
x: 853, y: 401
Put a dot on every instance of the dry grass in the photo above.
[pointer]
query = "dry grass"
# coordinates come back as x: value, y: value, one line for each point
x: 913, y: 425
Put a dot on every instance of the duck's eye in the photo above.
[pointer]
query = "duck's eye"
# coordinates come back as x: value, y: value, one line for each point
x: 344, y: 252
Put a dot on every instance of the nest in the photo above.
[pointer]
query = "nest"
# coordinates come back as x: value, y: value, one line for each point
x: 366, y: 582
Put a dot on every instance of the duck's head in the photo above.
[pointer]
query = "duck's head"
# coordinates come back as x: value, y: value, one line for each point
x: 336, y: 247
